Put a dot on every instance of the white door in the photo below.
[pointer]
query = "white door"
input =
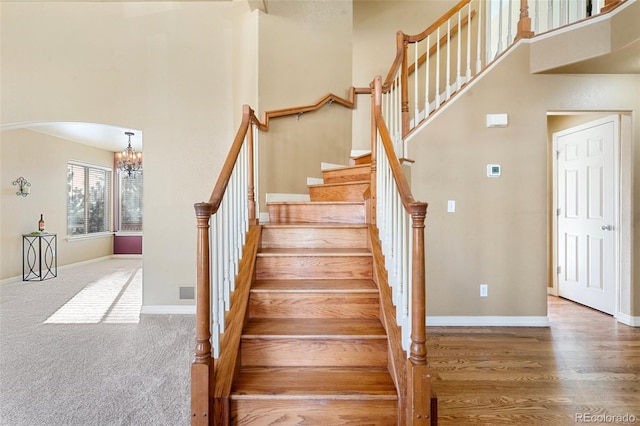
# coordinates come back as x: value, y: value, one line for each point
x: 586, y: 201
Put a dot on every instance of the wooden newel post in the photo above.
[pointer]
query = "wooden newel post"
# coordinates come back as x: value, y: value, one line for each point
x: 524, y: 23
x: 418, y: 375
x: 202, y: 366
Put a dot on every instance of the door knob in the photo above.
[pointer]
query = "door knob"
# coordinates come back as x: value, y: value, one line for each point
x: 607, y: 227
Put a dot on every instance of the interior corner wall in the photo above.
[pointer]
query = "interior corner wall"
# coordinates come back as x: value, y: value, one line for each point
x: 246, y: 43
x: 498, y: 234
x: 304, y: 54
x: 375, y: 24
x: 161, y: 67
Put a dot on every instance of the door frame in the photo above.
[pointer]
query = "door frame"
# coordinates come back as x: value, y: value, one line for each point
x: 623, y: 178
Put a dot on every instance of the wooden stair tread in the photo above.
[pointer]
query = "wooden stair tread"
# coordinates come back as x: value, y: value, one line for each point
x: 313, y: 383
x: 353, y: 183
x: 314, y: 225
x: 354, y: 166
x: 317, y: 203
x: 314, y: 252
x: 319, y: 286
x: 326, y: 328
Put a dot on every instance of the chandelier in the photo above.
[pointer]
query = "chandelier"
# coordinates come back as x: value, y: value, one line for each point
x: 129, y: 161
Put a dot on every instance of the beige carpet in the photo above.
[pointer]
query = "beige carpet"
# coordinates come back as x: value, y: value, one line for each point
x: 74, y: 350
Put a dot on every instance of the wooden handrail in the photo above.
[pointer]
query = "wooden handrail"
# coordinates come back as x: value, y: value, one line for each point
x: 443, y: 40
x: 225, y: 173
x: 402, y: 40
x: 394, y: 163
x: 328, y: 99
x: 249, y: 117
x: 431, y: 28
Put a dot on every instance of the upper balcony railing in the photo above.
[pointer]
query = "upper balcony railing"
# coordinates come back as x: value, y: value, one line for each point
x: 432, y: 66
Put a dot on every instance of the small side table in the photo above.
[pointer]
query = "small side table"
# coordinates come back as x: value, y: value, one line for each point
x: 39, y: 261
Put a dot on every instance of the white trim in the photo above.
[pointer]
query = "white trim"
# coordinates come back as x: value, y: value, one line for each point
x: 628, y: 319
x: 314, y: 181
x: 487, y: 321
x: 128, y: 233
x: 126, y: 256
x: 92, y: 236
x: 359, y: 152
x: 91, y: 165
x: 168, y: 310
x: 331, y: 166
x: 264, y: 217
x: 615, y: 117
x: 11, y: 280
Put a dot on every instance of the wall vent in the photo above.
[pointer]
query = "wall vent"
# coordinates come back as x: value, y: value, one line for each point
x: 187, y: 293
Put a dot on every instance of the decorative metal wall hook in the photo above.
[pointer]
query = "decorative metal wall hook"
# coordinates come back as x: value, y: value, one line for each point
x: 24, y: 186
x: 298, y: 115
x: 330, y: 102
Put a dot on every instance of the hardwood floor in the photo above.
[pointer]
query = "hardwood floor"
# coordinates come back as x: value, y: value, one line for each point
x: 585, y: 368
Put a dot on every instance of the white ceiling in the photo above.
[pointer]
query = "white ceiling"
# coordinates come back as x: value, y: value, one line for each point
x: 103, y: 136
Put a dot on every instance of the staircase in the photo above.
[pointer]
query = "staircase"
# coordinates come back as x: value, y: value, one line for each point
x: 313, y: 349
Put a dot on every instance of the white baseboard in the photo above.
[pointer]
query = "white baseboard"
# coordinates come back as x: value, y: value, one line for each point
x: 331, y: 166
x: 168, y: 310
x: 11, y: 280
x: 61, y: 268
x: 628, y: 319
x: 264, y: 217
x: 497, y: 321
x: 314, y: 181
x: 359, y: 152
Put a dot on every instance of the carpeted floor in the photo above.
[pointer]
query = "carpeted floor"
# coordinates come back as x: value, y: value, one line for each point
x: 72, y: 352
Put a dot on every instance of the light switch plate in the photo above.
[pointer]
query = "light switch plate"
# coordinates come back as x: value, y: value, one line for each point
x: 451, y: 206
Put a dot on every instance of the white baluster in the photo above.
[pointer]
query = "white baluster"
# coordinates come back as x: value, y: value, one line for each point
x: 468, y: 70
x: 437, y: 67
x: 213, y: 270
x: 220, y: 268
x: 509, y: 31
x: 479, y: 40
x: 499, y: 49
x: 427, y: 109
x: 415, y: 85
x: 459, y: 53
x: 448, y: 67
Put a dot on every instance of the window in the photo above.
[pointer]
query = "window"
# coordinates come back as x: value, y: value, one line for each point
x: 130, y: 202
x: 88, y: 195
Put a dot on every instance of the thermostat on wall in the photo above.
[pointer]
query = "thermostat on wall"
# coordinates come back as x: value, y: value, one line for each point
x: 493, y: 170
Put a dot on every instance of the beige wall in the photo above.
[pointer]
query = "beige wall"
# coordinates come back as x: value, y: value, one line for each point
x: 245, y: 59
x: 498, y: 235
x: 162, y: 67
x: 42, y: 160
x: 305, y: 53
